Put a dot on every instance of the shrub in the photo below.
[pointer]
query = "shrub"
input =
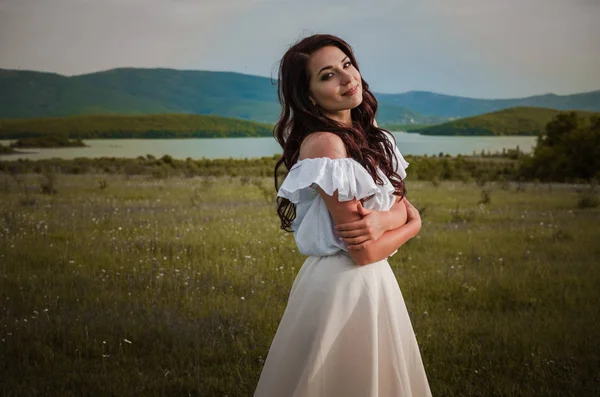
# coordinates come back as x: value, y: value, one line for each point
x: 167, y: 159
x: 244, y: 180
x: 588, y: 198
x: 160, y: 172
x: 463, y: 215
x: 486, y: 196
x: 48, y: 182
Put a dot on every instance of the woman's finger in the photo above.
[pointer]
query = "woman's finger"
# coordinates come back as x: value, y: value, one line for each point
x: 355, y: 240
x: 362, y: 210
x: 356, y: 246
x: 350, y: 225
x: 352, y: 233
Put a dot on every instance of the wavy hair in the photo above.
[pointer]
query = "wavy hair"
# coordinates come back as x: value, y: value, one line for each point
x: 299, y: 118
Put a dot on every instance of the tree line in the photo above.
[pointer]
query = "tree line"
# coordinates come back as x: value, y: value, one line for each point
x: 125, y: 126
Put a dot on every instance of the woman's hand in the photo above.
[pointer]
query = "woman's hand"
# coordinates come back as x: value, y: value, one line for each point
x: 412, y: 214
x: 413, y: 225
x: 370, y: 227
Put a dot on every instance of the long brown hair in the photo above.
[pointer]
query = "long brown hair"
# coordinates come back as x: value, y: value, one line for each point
x: 299, y: 118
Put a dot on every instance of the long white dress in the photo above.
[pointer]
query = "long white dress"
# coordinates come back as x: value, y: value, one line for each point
x: 345, y: 331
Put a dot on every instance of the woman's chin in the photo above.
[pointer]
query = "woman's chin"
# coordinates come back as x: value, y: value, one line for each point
x: 346, y: 105
x: 357, y: 102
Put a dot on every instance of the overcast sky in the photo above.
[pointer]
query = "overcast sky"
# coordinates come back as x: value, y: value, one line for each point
x: 473, y: 48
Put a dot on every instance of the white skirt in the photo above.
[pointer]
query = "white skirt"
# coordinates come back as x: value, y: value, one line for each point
x: 345, y: 332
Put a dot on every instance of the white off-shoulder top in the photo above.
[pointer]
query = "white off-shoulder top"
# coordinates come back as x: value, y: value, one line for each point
x: 313, y: 226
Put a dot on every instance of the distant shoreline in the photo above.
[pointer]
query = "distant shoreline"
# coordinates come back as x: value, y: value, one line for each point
x: 167, y: 138
x: 182, y: 148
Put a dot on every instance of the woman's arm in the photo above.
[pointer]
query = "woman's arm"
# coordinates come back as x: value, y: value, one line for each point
x: 372, y: 224
x: 372, y: 251
x: 397, y: 214
x: 330, y: 145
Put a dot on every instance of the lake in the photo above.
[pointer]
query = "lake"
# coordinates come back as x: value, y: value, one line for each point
x: 213, y: 148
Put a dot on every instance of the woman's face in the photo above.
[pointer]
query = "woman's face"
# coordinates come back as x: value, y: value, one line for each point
x: 335, y: 84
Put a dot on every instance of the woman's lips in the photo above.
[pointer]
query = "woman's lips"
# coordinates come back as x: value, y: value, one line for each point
x: 351, y: 91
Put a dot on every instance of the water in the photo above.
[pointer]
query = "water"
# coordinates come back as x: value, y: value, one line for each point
x: 213, y: 148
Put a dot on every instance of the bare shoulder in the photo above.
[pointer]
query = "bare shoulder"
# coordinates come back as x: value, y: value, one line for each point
x: 322, y: 144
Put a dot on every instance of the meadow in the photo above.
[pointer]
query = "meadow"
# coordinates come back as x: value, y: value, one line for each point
x: 116, y: 284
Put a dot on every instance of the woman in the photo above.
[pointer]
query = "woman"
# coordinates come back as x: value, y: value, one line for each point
x: 345, y: 331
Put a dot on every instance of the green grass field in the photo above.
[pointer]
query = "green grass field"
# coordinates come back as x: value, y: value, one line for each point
x: 127, y: 285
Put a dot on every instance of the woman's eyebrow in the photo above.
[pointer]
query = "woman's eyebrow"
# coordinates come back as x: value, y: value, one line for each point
x: 331, y: 67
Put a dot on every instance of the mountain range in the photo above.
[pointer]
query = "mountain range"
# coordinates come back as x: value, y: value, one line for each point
x: 459, y: 107
x: 32, y: 94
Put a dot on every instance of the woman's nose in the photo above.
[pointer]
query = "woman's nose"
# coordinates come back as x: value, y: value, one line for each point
x: 345, y: 77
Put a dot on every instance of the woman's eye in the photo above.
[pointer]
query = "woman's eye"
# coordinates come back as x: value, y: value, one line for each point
x: 328, y: 75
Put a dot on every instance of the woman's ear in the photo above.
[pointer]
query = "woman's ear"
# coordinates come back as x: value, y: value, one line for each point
x: 312, y: 101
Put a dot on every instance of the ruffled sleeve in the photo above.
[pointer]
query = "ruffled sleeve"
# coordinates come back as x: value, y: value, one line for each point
x: 401, y: 165
x: 345, y: 175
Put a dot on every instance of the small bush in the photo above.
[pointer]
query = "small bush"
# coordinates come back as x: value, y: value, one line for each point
x: 464, y: 177
x: 486, y: 197
x: 27, y: 201
x: 161, y: 172
x: 503, y: 183
x: 462, y: 215
x: 134, y: 169
x: 588, y: 198
x: 5, y: 185
x: 167, y: 159
x: 244, y: 180
x: 190, y: 170
x: 481, y: 180
x: 196, y: 197
x: 561, y: 235
x: 48, y: 182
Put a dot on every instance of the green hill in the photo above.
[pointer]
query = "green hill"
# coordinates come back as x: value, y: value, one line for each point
x: 37, y: 94
x: 25, y: 94
x: 513, y: 121
x: 145, y: 126
x: 198, y: 92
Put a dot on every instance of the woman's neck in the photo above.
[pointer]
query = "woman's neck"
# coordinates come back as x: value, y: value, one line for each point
x: 343, y: 117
